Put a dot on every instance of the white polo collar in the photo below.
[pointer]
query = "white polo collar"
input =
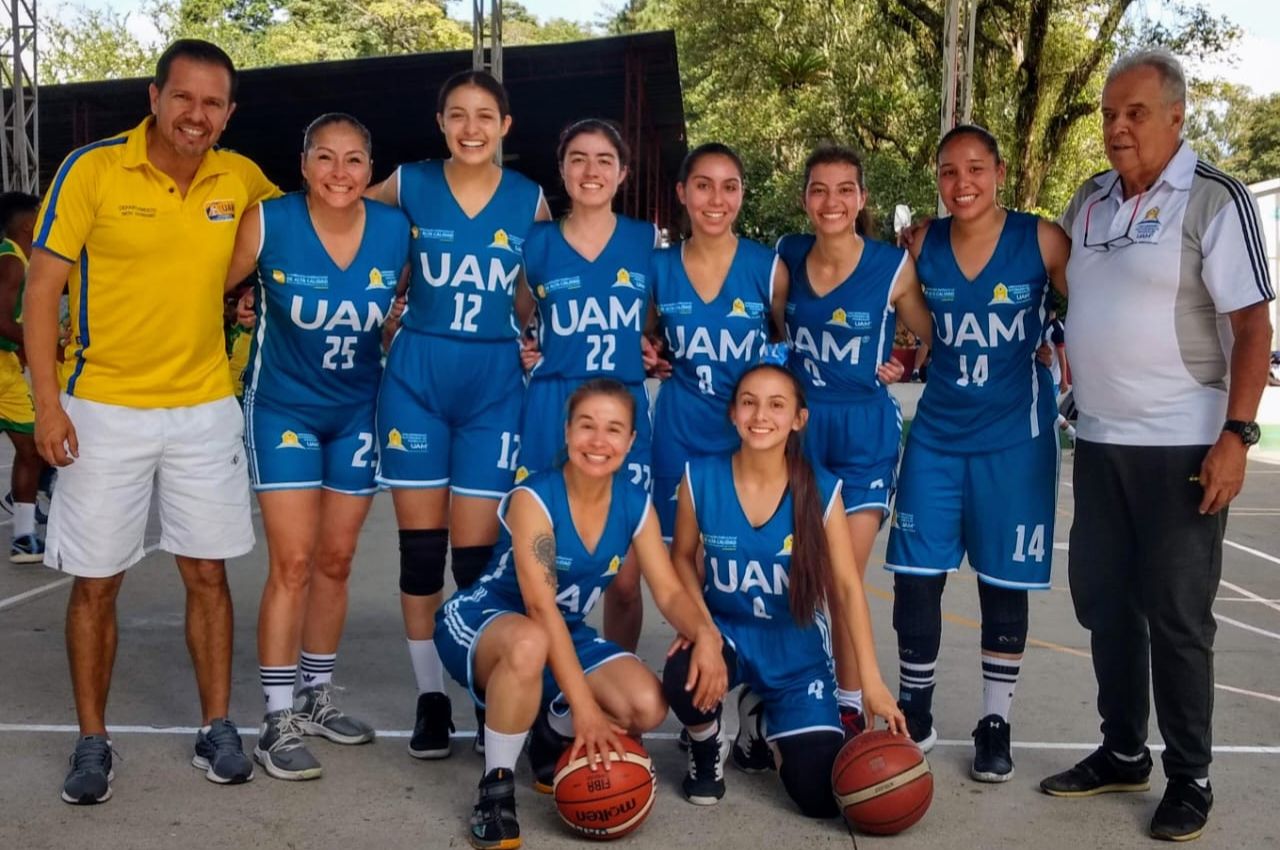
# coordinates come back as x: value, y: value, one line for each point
x: 1178, y: 174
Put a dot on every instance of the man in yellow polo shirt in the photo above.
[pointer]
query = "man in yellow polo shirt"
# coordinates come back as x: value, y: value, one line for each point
x: 141, y: 226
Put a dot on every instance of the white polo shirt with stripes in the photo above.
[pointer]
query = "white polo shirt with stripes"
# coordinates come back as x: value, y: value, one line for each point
x: 1151, y: 279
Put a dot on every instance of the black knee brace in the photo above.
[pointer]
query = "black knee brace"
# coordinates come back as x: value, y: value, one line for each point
x: 1004, y: 618
x: 422, y: 557
x: 676, y: 673
x: 806, y: 770
x: 468, y: 563
x: 917, y: 615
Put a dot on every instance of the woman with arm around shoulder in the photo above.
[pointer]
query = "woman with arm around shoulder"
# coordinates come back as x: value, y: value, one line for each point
x: 449, y: 407
x: 847, y: 293
x: 328, y: 260
x: 775, y: 549
x: 715, y: 294
x: 517, y: 640
x: 979, y: 472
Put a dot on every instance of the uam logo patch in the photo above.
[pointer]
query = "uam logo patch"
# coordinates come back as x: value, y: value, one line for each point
x: 220, y: 210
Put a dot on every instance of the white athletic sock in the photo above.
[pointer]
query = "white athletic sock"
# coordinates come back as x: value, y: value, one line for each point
x: 502, y: 750
x: 427, y: 669
x: 849, y: 699
x: 709, y: 732
x: 24, y: 518
x: 316, y: 668
x: 999, y: 678
x: 561, y: 723
x: 277, y: 686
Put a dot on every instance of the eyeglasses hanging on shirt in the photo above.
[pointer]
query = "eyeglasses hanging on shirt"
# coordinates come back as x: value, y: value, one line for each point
x: 1115, y: 241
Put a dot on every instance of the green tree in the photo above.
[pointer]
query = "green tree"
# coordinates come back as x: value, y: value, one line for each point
x: 520, y: 26
x: 1258, y: 156
x: 91, y: 44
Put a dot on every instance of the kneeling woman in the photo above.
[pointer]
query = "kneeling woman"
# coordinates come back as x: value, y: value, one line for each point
x: 566, y: 531
x: 775, y: 547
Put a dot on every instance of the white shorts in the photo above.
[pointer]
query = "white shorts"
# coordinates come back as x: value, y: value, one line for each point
x: 190, y: 460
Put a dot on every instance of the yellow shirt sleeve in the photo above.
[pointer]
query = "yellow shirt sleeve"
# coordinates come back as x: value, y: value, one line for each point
x: 255, y: 182
x: 69, y: 208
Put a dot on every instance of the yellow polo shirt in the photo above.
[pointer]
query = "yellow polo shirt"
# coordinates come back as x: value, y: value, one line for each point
x: 148, y: 270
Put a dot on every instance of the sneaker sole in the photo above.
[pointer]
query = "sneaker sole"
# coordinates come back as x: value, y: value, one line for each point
x: 89, y: 799
x: 31, y: 558
x: 200, y: 763
x: 320, y: 731
x: 543, y: 788
x: 1113, y: 788
x: 1190, y: 836
x: 700, y: 800
x: 504, y: 844
x: 745, y: 766
x: 927, y: 744
x: 985, y: 776
x: 430, y: 754
x: 264, y: 759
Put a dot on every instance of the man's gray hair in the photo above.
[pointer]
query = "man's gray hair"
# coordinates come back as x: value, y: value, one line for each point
x: 1165, y: 63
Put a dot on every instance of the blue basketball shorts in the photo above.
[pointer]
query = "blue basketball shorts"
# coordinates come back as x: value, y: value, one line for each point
x: 299, y: 447
x: 997, y: 507
x: 860, y: 442
x: 685, y: 426
x: 462, y: 619
x: 542, y: 428
x: 790, y: 669
x: 449, y: 414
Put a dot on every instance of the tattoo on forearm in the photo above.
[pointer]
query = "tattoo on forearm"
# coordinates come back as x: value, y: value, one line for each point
x: 544, y: 549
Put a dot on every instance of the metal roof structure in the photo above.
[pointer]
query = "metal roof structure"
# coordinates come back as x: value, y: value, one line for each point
x: 632, y: 80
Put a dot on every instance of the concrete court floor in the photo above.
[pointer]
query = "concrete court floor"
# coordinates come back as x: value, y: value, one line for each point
x: 375, y: 796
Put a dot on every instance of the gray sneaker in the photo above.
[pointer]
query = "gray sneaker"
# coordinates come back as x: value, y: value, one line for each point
x: 220, y: 754
x: 317, y: 715
x: 90, y: 778
x: 280, y: 750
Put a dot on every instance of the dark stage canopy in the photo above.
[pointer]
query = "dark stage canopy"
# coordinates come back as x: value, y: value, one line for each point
x: 633, y: 80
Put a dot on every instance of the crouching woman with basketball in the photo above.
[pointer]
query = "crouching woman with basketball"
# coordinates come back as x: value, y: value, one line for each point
x: 565, y: 533
x: 775, y: 548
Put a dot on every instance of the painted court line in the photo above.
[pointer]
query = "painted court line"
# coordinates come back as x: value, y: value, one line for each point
x: 34, y: 592
x: 655, y: 736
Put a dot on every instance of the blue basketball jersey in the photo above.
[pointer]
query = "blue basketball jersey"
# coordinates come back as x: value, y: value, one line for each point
x: 985, y: 388
x: 319, y: 331
x: 591, y: 315
x: 711, y: 343
x: 747, y: 568
x: 581, y: 576
x: 465, y: 269
x: 838, y: 339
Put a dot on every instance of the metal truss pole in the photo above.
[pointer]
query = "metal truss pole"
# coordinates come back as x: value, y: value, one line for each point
x: 479, y: 62
x: 19, y: 151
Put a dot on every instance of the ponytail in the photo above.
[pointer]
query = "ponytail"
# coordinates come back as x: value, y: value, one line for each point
x: 810, y: 558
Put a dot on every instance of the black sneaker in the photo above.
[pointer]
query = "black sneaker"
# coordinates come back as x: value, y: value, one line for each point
x: 992, y: 759
x: 90, y: 778
x: 852, y: 722
x: 546, y: 745
x: 920, y: 728
x: 1183, y: 810
x: 432, y: 727
x: 220, y: 754
x: 478, y: 744
x: 1099, y: 773
x: 493, y: 820
x: 751, y: 753
x: 703, y: 785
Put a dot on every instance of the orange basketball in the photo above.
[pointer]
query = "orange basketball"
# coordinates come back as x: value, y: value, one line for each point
x: 605, y: 804
x: 882, y: 782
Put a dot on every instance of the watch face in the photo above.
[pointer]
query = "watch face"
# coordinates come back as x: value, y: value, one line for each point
x: 1250, y: 433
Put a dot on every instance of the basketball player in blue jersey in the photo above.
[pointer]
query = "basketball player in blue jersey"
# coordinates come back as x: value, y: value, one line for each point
x: 979, y: 474
x: 592, y: 284
x: 775, y: 550
x: 714, y: 294
x: 449, y: 408
x: 847, y: 292
x: 567, y: 531
x: 328, y: 261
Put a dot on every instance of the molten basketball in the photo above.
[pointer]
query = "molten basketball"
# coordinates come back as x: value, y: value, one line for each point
x: 605, y: 804
x: 882, y: 782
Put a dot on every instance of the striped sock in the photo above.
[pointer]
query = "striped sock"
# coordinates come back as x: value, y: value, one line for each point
x: 915, y: 686
x: 317, y: 668
x: 849, y: 699
x: 999, y: 678
x: 277, y: 686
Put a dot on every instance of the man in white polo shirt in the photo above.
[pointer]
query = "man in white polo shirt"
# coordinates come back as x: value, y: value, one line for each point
x: 1169, y: 332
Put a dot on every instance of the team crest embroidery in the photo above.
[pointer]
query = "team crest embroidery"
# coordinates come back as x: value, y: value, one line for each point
x: 375, y: 280
x: 414, y: 232
x: 277, y: 275
x: 739, y: 309
x: 614, y: 565
x: 522, y: 473
x: 541, y: 291
x: 501, y: 240
x: 786, y: 546
x: 1147, y: 229
x: 220, y: 210
x: 999, y: 295
x: 623, y: 278
x: 839, y: 318
x: 289, y: 440
x: 395, y: 440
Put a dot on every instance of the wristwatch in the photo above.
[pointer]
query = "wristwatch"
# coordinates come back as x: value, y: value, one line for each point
x: 1248, y: 432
